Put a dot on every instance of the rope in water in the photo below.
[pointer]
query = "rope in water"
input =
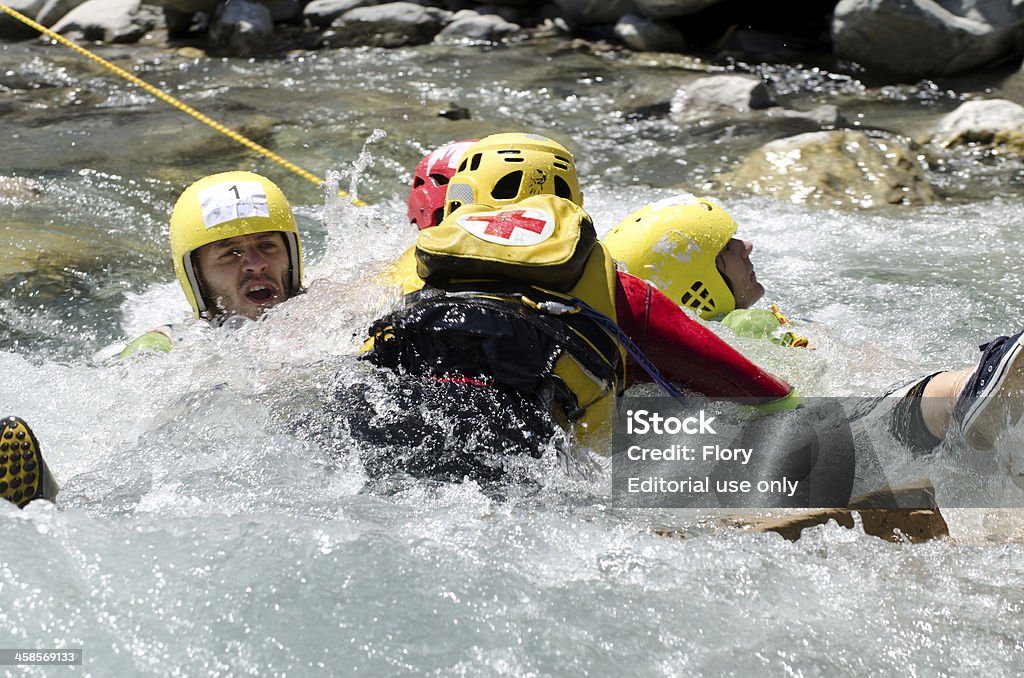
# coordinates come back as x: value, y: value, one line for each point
x: 163, y: 96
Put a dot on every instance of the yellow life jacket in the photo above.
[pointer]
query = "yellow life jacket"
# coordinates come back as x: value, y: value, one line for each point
x: 473, y: 308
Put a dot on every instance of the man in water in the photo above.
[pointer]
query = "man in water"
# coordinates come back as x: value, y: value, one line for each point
x: 474, y: 330
x: 686, y: 247
x: 236, y: 253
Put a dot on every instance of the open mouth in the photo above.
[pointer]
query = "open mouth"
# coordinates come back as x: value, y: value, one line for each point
x: 260, y: 294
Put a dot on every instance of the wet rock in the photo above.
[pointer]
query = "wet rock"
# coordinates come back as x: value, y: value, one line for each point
x: 108, y: 20
x: 664, y: 9
x: 596, y: 11
x: 240, y: 28
x: 925, y: 37
x: 323, y: 12
x: 188, y: 7
x: 839, y: 168
x: 719, y: 96
x: 53, y: 10
x: 394, y: 24
x: 11, y: 28
x: 470, y: 25
x: 645, y: 35
x: 992, y: 122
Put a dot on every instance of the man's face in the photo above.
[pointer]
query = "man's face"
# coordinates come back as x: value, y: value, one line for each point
x: 733, y: 263
x: 244, y: 275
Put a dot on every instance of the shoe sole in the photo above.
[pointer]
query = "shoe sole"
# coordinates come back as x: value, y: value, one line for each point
x: 985, y: 420
x: 21, y: 466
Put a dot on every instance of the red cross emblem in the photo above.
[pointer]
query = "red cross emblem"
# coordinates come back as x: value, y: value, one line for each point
x: 516, y: 227
x: 504, y: 224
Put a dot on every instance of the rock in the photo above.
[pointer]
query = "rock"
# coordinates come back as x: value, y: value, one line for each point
x: 240, y: 28
x: 394, y: 24
x: 925, y: 37
x: 665, y: 9
x: 11, y: 28
x: 719, y: 96
x: 323, y: 12
x: 108, y: 21
x: 596, y: 11
x: 838, y: 168
x: 644, y: 35
x: 478, y: 27
x: 54, y: 10
x: 995, y: 122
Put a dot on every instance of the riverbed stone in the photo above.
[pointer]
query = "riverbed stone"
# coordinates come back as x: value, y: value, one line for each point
x: 108, y: 20
x: 989, y: 122
x: 394, y: 24
x: 927, y: 37
x: 645, y: 35
x: 240, y: 28
x: 842, y: 168
x: 468, y: 24
x: 717, y: 96
x: 666, y: 9
x: 323, y: 12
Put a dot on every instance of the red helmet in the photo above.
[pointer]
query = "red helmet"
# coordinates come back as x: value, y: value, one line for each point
x: 430, y: 183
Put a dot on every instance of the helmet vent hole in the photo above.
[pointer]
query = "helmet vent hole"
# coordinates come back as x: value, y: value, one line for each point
x: 439, y: 179
x: 507, y: 187
x: 462, y: 165
x: 510, y: 151
x: 698, y: 297
x: 562, y: 189
x: 417, y: 182
x: 561, y: 165
x: 474, y: 162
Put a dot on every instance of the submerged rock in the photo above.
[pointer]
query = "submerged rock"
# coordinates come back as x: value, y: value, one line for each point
x: 836, y: 168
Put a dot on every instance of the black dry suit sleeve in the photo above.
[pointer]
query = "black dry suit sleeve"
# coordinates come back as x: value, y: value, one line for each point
x: 812, y: 446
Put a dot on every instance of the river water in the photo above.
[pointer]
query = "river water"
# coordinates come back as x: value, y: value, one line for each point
x: 198, y: 534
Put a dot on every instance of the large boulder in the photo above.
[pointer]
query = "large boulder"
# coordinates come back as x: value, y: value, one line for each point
x: 990, y: 122
x: 666, y: 9
x: 394, y: 24
x: 108, y: 21
x: 240, y: 28
x: 835, y: 169
x: 927, y: 37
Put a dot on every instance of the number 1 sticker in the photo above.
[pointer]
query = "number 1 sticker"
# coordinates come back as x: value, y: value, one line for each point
x: 233, y: 200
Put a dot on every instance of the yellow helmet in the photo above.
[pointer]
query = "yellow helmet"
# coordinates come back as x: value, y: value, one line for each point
x: 502, y: 169
x: 223, y: 206
x: 673, y: 243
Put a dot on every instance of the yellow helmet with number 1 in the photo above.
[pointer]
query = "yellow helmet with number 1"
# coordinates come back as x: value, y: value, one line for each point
x: 228, y: 205
x: 673, y: 243
x: 502, y: 169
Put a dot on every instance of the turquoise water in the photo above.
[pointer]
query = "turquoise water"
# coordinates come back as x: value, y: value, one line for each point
x: 198, y: 534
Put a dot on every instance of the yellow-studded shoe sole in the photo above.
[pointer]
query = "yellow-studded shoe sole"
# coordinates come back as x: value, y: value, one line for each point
x: 21, y: 462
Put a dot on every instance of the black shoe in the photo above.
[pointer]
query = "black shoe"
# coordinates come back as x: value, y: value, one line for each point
x: 23, y: 473
x: 993, y: 397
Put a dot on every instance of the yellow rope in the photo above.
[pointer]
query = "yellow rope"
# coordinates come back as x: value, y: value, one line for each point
x: 181, y: 106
